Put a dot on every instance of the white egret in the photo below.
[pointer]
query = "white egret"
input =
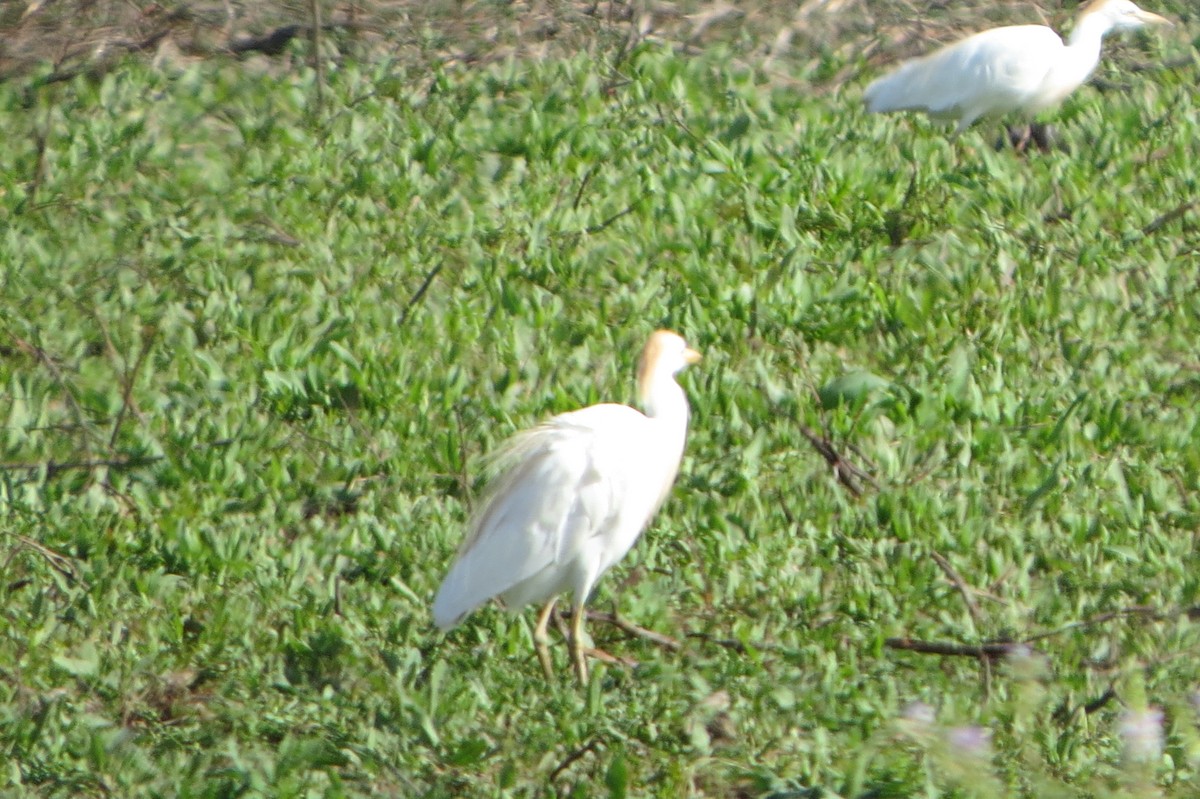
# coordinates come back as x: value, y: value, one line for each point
x: 1025, y: 68
x: 573, y: 496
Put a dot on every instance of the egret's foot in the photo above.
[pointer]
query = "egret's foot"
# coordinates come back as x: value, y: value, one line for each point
x: 577, y: 655
x: 1015, y: 136
x: 1022, y: 137
x: 579, y: 659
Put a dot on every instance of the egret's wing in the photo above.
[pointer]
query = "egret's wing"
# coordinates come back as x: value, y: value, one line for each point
x: 551, y: 495
x: 992, y: 70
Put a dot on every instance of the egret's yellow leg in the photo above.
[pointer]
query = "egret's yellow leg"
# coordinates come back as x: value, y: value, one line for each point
x: 541, y: 641
x: 580, y: 660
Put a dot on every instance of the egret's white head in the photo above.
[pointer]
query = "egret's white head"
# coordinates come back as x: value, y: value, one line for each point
x: 1122, y: 15
x: 665, y: 354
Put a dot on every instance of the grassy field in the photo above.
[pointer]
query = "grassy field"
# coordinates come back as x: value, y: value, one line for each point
x: 257, y: 327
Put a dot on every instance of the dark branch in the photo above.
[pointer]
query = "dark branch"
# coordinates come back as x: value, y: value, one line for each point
x: 53, y: 468
x: 728, y: 643
x: 1100, y: 701
x: 846, y: 472
x: 994, y: 650
x: 1100, y: 618
x: 57, y: 561
x: 420, y: 292
x: 629, y: 209
x: 976, y: 620
x: 998, y: 649
x: 961, y: 585
x: 272, y: 43
x: 1169, y: 217
x: 590, y: 746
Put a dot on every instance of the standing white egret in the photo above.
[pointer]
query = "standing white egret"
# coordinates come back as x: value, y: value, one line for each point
x: 1025, y: 68
x: 573, y: 497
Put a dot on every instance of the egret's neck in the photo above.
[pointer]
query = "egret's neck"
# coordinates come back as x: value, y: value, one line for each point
x: 664, y: 401
x: 1084, y: 41
x: 1082, y: 52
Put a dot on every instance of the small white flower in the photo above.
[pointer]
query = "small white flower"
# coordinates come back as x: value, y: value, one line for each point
x: 919, y: 713
x: 973, y: 741
x: 1026, y: 663
x: 1141, y: 734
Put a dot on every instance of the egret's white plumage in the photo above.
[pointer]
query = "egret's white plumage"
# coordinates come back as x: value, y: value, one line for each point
x: 573, y: 496
x: 1025, y: 68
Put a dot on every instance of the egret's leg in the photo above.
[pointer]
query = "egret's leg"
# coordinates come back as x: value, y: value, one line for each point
x: 1025, y: 134
x: 541, y: 640
x: 1043, y: 136
x: 581, y: 669
x: 952, y: 142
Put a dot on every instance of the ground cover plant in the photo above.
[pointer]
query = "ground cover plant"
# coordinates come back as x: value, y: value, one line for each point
x: 934, y: 531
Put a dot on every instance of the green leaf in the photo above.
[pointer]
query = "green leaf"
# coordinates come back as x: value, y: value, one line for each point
x: 616, y: 778
x: 852, y: 388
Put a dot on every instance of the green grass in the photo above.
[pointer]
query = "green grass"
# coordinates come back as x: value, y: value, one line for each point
x: 251, y: 350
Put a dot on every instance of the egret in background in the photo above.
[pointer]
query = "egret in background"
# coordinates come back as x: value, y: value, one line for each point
x: 572, y: 497
x: 1025, y: 68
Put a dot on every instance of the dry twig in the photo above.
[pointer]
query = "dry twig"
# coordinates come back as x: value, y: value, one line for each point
x: 419, y: 294
x: 995, y: 649
x: 1170, y: 216
x: 987, y: 650
x: 591, y: 746
x: 976, y: 620
x: 57, y: 561
x: 631, y: 629
x: 847, y: 473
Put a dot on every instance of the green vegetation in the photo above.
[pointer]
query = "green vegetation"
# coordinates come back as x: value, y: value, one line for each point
x: 251, y: 347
